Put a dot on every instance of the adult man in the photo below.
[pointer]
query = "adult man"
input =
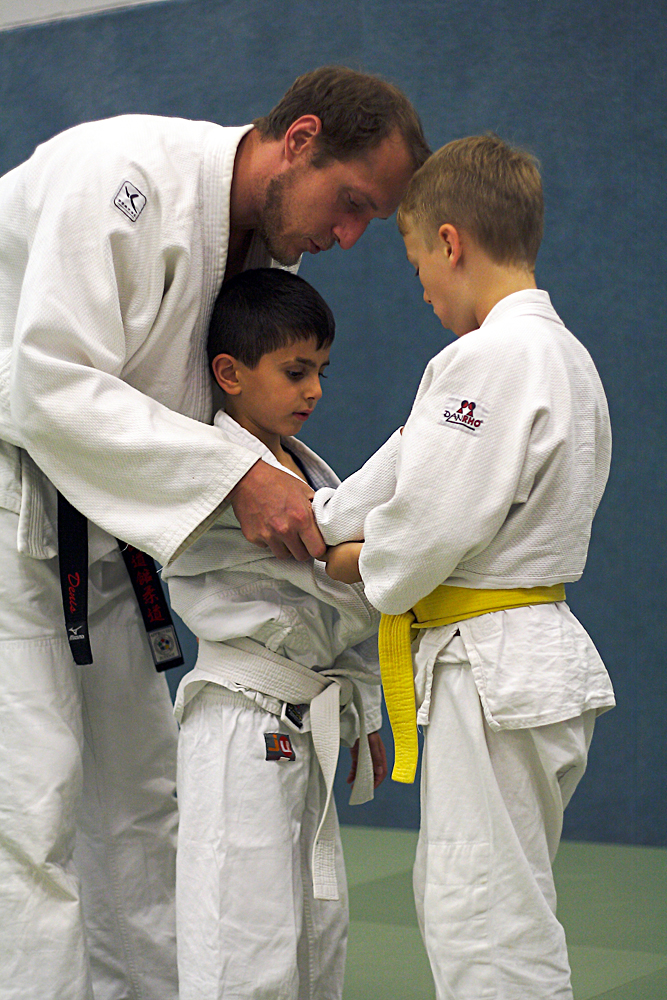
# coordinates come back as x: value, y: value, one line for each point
x: 114, y: 240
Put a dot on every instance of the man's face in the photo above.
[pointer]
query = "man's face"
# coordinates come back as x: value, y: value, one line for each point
x: 307, y: 209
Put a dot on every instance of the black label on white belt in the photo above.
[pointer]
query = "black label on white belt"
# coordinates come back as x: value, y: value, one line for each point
x: 73, y: 559
x: 162, y: 637
x: 278, y: 746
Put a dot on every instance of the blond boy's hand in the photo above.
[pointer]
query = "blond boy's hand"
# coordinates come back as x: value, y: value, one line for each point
x: 274, y: 511
x: 378, y: 756
x: 343, y: 562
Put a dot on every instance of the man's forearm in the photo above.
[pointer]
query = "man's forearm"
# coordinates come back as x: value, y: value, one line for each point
x: 274, y: 511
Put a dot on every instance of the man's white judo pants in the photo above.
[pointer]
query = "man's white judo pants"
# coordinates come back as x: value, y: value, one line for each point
x: 87, y: 807
x: 491, y: 818
x: 249, y: 927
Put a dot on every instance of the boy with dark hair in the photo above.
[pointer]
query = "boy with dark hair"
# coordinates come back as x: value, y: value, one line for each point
x: 473, y: 519
x: 260, y: 898
x: 263, y: 310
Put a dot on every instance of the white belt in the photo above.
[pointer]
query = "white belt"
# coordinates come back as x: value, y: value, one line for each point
x: 254, y: 666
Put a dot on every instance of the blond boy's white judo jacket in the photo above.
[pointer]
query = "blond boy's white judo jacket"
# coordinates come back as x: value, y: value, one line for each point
x: 493, y: 484
x: 113, y: 245
x: 226, y: 588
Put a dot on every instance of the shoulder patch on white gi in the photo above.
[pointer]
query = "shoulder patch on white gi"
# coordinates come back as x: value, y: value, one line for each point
x: 130, y: 200
x: 466, y: 413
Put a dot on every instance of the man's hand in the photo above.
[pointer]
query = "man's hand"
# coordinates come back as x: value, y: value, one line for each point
x: 343, y: 562
x: 378, y: 756
x: 274, y: 511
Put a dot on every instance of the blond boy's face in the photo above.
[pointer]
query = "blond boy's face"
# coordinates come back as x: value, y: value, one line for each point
x: 440, y: 269
x: 434, y: 272
x: 277, y: 397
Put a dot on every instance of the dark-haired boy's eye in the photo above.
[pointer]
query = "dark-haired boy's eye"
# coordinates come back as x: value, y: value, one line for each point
x: 295, y: 375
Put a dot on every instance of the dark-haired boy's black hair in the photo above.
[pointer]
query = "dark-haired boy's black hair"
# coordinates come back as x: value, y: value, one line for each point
x: 261, y: 310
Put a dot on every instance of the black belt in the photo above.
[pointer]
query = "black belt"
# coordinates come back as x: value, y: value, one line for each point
x: 73, y: 557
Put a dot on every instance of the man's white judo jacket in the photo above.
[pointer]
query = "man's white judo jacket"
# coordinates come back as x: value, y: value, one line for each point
x: 493, y: 484
x: 113, y: 245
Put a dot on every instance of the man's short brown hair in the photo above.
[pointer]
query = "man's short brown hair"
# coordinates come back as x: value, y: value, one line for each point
x: 357, y: 112
x: 485, y: 187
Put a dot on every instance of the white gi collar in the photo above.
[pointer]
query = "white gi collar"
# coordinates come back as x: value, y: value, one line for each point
x: 318, y: 471
x: 529, y: 302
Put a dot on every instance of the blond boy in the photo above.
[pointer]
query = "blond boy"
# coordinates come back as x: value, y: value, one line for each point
x: 473, y: 519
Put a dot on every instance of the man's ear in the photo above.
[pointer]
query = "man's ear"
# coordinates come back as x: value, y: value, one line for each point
x: 449, y: 240
x: 225, y: 371
x: 301, y: 137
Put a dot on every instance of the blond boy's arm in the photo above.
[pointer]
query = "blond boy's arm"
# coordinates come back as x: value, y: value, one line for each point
x: 342, y: 562
x: 340, y: 513
x: 454, y: 488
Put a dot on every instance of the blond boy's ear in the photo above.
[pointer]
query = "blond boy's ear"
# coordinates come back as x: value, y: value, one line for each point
x: 449, y: 239
x: 226, y: 373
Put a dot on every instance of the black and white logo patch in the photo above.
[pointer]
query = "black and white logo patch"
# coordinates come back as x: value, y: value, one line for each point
x: 130, y: 200
x: 467, y: 414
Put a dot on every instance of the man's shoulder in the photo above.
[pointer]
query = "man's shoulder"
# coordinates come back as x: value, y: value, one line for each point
x: 132, y: 126
x: 150, y: 145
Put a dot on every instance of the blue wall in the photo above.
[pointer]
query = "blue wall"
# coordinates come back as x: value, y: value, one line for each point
x: 583, y: 86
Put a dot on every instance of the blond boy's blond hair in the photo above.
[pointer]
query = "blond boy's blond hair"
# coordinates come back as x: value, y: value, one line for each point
x: 486, y: 188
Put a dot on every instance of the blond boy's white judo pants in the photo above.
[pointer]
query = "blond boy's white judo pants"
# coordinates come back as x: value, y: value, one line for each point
x: 87, y: 808
x: 248, y: 925
x: 492, y: 810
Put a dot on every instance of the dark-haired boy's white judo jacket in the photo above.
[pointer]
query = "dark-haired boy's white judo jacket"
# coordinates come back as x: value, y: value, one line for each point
x: 493, y: 484
x: 254, y: 844
x: 113, y: 245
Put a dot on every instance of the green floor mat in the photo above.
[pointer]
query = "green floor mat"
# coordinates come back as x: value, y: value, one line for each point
x: 612, y: 903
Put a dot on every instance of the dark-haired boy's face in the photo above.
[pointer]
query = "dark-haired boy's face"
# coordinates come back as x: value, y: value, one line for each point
x: 307, y: 209
x: 277, y: 397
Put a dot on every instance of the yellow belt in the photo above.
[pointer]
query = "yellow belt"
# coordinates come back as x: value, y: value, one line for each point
x: 444, y: 606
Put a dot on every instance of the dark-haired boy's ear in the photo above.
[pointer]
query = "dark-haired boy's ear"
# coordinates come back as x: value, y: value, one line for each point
x: 225, y: 372
x: 301, y: 137
x: 450, y: 242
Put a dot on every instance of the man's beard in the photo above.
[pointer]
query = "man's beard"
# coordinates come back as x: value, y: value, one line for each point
x: 272, y: 224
